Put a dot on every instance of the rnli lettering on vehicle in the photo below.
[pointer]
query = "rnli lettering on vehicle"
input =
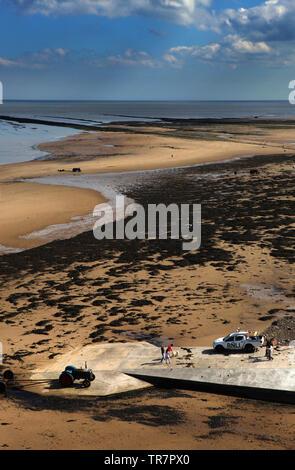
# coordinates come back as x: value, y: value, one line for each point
x: 234, y: 345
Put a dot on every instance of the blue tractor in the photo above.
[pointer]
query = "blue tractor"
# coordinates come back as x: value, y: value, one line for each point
x: 71, y: 373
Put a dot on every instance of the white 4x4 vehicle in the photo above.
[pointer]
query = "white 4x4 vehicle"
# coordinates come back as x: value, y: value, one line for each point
x: 239, y: 341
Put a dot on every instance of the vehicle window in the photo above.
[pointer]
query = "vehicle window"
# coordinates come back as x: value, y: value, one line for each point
x: 230, y: 338
x: 239, y: 338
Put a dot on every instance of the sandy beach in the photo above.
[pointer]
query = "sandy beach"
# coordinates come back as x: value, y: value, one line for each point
x: 75, y: 292
x: 121, y: 149
x: 30, y: 207
x: 147, y: 228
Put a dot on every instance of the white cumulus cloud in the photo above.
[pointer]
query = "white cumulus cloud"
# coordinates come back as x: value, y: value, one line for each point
x: 8, y: 63
x: 232, y: 50
x: 178, y: 11
x: 243, y: 46
x: 272, y: 20
x: 132, y: 58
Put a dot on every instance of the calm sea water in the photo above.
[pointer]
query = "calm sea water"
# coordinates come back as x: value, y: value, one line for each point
x: 18, y: 141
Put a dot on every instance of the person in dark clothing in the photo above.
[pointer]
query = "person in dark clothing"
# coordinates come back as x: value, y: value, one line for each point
x: 163, y: 353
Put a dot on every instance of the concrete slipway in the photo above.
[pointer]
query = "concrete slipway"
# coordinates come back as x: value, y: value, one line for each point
x: 122, y: 367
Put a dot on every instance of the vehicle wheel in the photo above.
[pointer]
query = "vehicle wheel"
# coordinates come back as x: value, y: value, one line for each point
x: 66, y: 379
x: 3, y: 389
x: 249, y: 348
x: 219, y: 349
x: 86, y: 383
x: 8, y: 375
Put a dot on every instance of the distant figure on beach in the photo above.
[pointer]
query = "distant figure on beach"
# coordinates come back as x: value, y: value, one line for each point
x: 268, y: 352
x: 170, y: 350
x: 167, y: 356
x: 171, y: 156
x: 163, y: 353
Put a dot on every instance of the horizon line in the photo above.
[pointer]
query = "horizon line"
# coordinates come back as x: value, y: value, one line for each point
x: 142, y: 100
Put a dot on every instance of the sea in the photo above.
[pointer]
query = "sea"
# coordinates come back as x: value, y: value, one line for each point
x: 19, y: 142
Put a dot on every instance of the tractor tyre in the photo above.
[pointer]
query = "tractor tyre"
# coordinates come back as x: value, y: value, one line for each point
x: 3, y: 389
x: 66, y: 379
x: 86, y: 383
x: 8, y: 375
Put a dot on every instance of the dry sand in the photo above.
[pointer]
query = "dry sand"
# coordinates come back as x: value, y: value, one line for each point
x: 149, y: 420
x: 29, y: 207
x: 146, y: 151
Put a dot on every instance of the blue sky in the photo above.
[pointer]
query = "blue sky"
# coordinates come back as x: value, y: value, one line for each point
x: 147, y: 49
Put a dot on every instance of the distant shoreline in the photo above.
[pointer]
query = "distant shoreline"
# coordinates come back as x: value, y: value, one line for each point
x: 160, y: 121
x: 117, y: 148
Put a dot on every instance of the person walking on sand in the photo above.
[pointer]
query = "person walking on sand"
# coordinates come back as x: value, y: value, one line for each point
x: 167, y: 356
x: 163, y: 353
